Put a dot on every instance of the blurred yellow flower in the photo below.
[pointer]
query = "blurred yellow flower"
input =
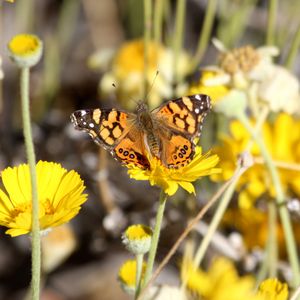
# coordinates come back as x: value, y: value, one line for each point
x: 126, y: 72
x: 212, y: 83
x: 127, y: 275
x: 273, y: 289
x: 170, y: 179
x: 284, y: 148
x: 25, y: 49
x: 220, y: 282
x: 60, y: 197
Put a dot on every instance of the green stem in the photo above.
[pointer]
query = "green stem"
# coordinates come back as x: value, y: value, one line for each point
x: 138, y: 277
x: 158, y: 20
x: 294, y: 50
x: 215, y: 221
x: 35, y: 231
x: 280, y: 198
x: 155, y: 237
x: 272, y: 241
x: 205, y: 32
x: 271, y: 22
x: 263, y: 269
x: 147, y: 40
x: 178, y: 37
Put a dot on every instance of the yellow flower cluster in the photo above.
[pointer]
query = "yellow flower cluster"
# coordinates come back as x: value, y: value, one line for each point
x: 282, y: 138
x: 222, y: 281
x: 60, y: 197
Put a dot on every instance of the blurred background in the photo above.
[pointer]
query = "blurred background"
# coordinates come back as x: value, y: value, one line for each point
x: 80, y: 38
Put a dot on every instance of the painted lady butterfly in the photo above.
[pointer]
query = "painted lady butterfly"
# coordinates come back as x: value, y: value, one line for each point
x: 167, y: 133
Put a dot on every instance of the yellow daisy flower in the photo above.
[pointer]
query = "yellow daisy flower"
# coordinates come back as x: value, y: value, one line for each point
x: 60, y: 197
x: 170, y: 179
x: 284, y: 148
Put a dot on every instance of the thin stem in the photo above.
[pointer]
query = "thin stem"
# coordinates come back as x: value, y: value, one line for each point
x: 147, y: 40
x: 215, y: 222
x: 138, y: 277
x: 205, y: 32
x: 158, y: 20
x: 272, y: 9
x: 155, y: 237
x: 296, y: 294
x: 280, y: 198
x: 294, y: 50
x: 272, y: 240
x: 279, y: 164
x: 178, y: 37
x: 263, y: 269
x: 35, y: 231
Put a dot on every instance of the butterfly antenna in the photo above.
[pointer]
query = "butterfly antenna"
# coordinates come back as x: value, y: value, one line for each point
x: 131, y: 99
x: 152, y: 84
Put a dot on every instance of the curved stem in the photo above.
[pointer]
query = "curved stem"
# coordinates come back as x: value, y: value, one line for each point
x: 158, y: 20
x: 271, y: 22
x: 178, y: 38
x: 35, y: 228
x: 293, y: 50
x: 205, y: 32
x: 215, y: 221
x: 272, y: 248
x: 147, y: 40
x: 280, y: 198
x: 155, y: 237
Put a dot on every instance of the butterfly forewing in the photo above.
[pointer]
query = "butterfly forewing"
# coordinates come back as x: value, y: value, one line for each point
x: 180, y: 122
x: 115, y: 131
x: 185, y: 114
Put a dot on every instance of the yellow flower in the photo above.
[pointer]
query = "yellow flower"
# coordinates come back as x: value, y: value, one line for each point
x: 273, y: 289
x: 212, y: 83
x: 252, y: 224
x: 170, y: 179
x: 137, y: 238
x: 220, y: 282
x: 60, y: 197
x: 25, y: 49
x: 284, y: 148
x: 127, y: 275
x: 126, y: 71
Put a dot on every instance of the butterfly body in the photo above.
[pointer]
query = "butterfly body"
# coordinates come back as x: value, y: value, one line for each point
x: 167, y: 132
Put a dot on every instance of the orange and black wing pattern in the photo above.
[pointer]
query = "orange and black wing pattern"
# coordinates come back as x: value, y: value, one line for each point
x: 115, y: 131
x: 180, y: 122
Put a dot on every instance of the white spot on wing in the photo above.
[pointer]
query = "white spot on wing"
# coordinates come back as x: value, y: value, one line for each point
x: 198, y: 97
x: 91, y: 125
x: 197, y: 110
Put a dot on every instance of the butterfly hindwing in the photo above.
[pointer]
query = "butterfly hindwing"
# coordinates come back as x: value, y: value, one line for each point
x: 177, y: 151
